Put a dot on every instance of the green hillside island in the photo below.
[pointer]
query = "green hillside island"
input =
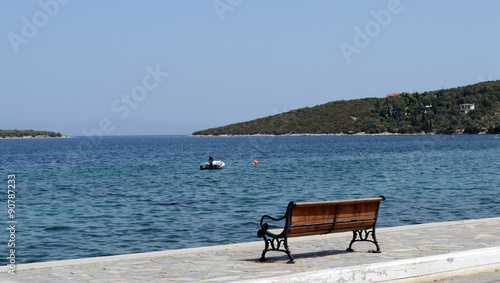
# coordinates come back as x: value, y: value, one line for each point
x: 471, y: 109
x: 29, y: 134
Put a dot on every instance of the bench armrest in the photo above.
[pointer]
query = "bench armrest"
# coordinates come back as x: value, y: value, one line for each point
x: 264, y: 226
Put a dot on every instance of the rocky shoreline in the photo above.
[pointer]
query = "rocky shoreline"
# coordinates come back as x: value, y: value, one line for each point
x: 35, y: 137
x: 327, y: 135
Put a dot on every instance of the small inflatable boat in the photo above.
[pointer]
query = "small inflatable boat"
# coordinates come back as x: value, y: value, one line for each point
x: 215, y: 165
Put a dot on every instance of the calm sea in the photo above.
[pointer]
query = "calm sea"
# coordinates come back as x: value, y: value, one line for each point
x: 79, y: 198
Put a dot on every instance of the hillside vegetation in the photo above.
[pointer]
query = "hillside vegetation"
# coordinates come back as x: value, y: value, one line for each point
x: 27, y: 133
x: 436, y: 112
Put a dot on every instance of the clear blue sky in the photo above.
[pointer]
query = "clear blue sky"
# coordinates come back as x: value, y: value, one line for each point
x: 173, y: 67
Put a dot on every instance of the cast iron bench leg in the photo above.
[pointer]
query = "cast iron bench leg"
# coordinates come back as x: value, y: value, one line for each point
x: 266, y: 248
x: 276, y: 248
x: 288, y: 252
x: 363, y: 236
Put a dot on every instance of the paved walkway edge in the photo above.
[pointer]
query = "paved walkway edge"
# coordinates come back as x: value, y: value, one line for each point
x: 115, y: 258
x: 422, y: 269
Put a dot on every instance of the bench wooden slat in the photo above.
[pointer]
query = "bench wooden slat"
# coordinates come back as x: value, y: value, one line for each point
x: 313, y: 214
x: 333, y: 202
x: 330, y: 227
x: 354, y: 225
x: 357, y: 211
x: 309, y: 230
x: 327, y: 228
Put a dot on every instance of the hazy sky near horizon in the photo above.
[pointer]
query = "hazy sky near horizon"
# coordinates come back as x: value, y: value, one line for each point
x: 172, y: 67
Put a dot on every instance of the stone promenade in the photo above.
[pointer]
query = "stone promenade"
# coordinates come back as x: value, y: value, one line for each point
x: 415, y: 253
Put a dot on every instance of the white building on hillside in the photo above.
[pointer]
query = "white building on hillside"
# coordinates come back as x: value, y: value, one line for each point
x: 467, y: 107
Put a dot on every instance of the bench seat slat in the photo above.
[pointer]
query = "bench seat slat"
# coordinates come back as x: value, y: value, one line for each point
x: 309, y: 230
x: 330, y: 223
x: 354, y: 225
x: 327, y: 228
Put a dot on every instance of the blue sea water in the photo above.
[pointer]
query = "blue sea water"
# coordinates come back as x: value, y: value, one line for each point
x: 81, y: 197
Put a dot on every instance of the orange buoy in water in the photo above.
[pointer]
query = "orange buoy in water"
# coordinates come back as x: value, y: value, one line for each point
x: 360, y: 154
x: 255, y: 162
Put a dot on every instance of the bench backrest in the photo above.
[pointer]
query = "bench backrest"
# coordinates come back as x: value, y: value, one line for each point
x: 310, y: 218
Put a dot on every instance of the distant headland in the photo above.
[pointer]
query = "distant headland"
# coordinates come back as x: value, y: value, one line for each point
x: 27, y: 134
x: 472, y: 109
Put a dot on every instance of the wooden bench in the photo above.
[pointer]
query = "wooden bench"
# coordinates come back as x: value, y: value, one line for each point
x: 312, y: 218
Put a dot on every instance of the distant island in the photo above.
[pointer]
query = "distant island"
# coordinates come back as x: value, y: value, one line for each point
x: 472, y: 109
x: 6, y: 134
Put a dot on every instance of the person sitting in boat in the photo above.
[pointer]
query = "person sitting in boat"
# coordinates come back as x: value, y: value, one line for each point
x: 211, y: 162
